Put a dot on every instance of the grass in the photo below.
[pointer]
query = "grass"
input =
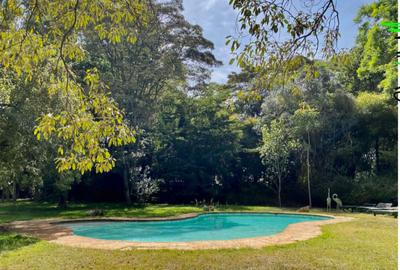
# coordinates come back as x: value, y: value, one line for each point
x: 11, y: 241
x: 27, y: 210
x: 368, y: 242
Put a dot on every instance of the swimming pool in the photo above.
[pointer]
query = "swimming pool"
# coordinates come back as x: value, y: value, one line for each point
x: 205, y: 227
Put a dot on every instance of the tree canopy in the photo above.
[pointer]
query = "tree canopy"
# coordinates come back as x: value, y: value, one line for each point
x: 112, y: 101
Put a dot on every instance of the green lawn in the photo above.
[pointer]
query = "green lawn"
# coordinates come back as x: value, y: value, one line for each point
x: 26, y: 210
x: 368, y: 242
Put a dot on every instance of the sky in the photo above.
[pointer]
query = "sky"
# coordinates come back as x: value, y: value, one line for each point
x: 218, y: 20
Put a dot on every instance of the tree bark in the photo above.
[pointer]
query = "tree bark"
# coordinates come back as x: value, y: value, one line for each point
x: 308, y: 170
x: 126, y: 182
x: 62, y: 201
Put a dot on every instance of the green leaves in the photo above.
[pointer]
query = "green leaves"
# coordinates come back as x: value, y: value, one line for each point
x: 39, y: 41
x: 378, y: 44
x: 265, y: 25
x: 306, y: 118
x: 277, y: 144
x: 235, y: 45
x: 95, y: 125
x: 367, y: 102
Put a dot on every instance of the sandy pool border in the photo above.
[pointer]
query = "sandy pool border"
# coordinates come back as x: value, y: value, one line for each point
x: 53, y: 231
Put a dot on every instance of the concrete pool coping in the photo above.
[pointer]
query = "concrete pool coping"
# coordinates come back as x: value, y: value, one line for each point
x: 55, y: 231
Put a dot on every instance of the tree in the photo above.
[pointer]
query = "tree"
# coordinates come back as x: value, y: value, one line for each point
x: 277, y: 146
x: 197, y: 144
x: 40, y: 42
x: 21, y: 155
x: 306, y: 122
x: 278, y: 31
x: 378, y: 122
x: 204, y: 140
x: 26, y: 164
x: 379, y: 46
x: 169, y: 53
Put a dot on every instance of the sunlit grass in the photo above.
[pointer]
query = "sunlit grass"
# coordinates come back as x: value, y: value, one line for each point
x: 11, y: 241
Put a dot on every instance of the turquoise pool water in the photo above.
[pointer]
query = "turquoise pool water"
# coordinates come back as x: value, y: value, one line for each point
x: 203, y: 227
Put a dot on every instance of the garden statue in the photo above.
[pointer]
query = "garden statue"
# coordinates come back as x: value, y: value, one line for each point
x: 338, y: 201
x: 328, y: 201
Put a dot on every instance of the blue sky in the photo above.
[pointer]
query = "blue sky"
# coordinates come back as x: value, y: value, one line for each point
x: 218, y: 20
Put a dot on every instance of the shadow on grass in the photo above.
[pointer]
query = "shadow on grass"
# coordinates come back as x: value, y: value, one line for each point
x: 11, y: 241
x: 27, y: 210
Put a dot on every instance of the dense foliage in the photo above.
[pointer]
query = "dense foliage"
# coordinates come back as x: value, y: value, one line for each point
x: 128, y: 113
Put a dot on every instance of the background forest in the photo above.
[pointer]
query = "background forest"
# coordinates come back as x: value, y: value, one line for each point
x: 329, y: 122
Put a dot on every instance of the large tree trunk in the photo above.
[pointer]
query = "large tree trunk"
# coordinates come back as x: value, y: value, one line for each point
x: 308, y: 170
x: 62, y: 201
x: 126, y: 183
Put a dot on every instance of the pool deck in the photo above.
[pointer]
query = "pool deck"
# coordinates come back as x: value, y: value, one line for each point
x: 54, y: 231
